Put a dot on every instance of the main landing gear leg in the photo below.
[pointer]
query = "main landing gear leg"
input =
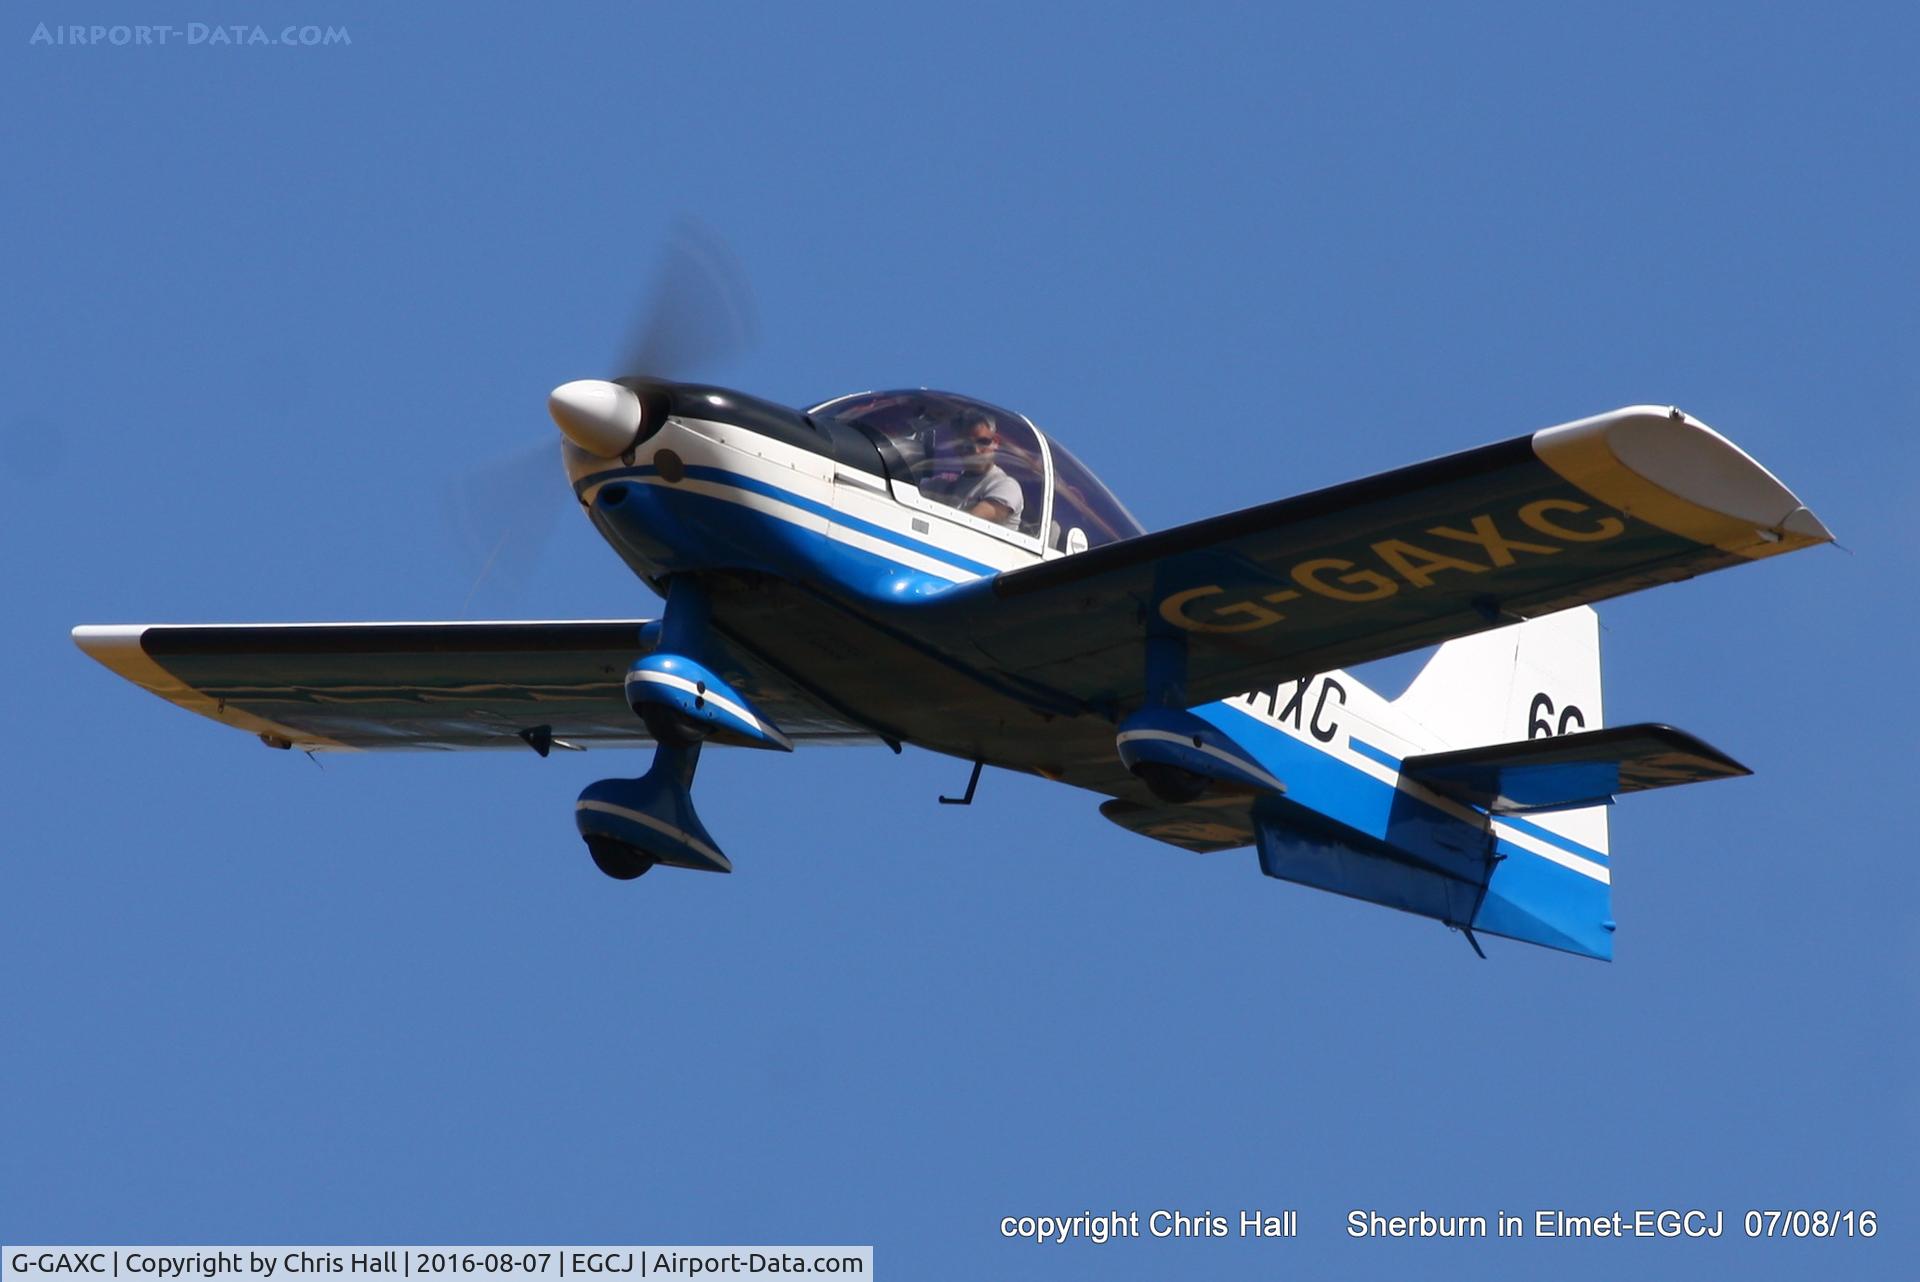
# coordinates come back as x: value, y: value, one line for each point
x: 630, y: 825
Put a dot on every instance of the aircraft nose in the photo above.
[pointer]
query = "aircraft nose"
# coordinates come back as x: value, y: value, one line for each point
x: 600, y: 417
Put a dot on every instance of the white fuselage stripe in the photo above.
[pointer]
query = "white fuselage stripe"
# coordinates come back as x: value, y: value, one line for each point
x: 1206, y: 749
x: 658, y: 825
x: 814, y: 523
x: 727, y: 706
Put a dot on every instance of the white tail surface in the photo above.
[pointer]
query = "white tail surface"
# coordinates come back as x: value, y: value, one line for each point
x: 1525, y: 681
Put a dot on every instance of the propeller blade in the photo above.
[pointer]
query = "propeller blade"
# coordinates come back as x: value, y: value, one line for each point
x: 699, y: 312
x: 503, y: 513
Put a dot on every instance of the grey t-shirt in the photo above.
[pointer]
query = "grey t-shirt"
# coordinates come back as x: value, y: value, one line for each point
x: 964, y: 489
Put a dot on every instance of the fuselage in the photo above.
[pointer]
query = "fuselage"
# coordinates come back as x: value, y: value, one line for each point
x: 849, y: 511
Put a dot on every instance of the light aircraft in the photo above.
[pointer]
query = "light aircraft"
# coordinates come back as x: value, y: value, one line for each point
x: 918, y: 567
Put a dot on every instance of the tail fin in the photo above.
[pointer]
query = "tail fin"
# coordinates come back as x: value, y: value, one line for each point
x: 1507, y: 684
x: 1527, y: 681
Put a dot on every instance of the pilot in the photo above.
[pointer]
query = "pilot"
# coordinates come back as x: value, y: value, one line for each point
x: 965, y: 475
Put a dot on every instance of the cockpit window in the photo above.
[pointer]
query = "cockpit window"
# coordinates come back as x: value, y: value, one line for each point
x: 964, y: 454
x: 1084, y: 511
x: 990, y: 463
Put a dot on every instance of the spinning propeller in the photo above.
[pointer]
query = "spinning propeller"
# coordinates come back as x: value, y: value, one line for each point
x: 698, y: 313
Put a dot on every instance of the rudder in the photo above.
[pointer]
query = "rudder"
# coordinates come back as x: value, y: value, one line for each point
x: 1531, y: 680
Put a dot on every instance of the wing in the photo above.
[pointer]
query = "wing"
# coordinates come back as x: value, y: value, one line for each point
x: 421, y: 685
x: 1375, y: 567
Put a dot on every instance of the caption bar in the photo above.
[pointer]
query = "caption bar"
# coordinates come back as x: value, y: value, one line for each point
x: 385, y: 1263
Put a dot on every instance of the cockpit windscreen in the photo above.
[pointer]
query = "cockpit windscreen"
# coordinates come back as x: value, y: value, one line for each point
x: 989, y: 463
x: 959, y: 452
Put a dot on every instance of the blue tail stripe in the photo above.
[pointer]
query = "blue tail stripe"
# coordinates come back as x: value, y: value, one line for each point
x: 1372, y: 753
x: 1534, y: 830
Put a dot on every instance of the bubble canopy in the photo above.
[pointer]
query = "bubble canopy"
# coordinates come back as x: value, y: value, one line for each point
x: 982, y: 463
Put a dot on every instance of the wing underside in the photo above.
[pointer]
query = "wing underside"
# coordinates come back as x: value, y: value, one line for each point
x: 449, y: 686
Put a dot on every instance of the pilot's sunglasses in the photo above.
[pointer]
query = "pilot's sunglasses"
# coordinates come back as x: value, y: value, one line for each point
x: 985, y: 442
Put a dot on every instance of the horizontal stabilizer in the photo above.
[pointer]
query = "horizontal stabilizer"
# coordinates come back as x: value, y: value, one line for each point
x: 1566, y: 771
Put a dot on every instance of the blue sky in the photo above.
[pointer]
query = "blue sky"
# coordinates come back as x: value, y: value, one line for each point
x: 262, y: 304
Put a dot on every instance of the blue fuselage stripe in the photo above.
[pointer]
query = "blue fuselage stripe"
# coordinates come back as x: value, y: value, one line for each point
x: 721, y: 476
x: 1552, y: 838
x: 1367, y: 750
